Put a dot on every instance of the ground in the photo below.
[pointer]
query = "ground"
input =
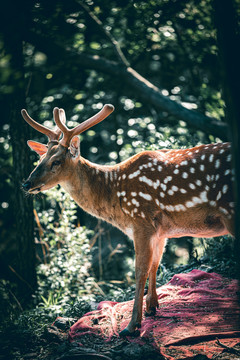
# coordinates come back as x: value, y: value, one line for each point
x: 50, y: 342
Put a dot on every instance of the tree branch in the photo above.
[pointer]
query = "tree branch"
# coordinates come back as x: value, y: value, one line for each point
x: 145, y: 89
x: 107, y: 33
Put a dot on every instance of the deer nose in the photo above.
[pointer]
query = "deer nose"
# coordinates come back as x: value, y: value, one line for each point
x: 26, y: 185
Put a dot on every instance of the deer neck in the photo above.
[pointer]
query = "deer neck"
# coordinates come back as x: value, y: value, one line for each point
x: 93, y: 187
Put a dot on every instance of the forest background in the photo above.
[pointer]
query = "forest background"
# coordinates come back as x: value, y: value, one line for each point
x: 170, y: 68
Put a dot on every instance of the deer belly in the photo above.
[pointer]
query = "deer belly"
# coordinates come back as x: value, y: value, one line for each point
x: 198, y: 226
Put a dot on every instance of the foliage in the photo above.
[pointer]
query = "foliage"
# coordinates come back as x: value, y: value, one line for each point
x: 171, y: 43
x: 64, y: 272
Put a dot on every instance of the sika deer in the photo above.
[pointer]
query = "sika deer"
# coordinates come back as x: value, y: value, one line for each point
x: 152, y: 196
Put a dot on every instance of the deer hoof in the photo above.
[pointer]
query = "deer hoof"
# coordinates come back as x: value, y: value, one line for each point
x: 152, y: 312
x: 126, y: 332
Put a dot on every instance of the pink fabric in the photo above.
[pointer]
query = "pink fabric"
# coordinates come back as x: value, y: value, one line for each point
x: 194, y: 309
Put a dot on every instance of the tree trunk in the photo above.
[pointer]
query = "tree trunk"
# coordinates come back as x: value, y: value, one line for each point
x: 22, y: 266
x: 228, y: 39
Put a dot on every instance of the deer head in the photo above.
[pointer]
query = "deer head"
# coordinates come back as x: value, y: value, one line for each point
x: 57, y: 156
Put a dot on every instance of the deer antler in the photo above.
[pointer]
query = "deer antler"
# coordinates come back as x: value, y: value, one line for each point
x: 51, y: 134
x: 59, y: 116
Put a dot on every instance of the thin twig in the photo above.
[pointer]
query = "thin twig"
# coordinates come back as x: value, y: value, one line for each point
x: 107, y: 33
x: 40, y: 229
x: 16, y: 300
x: 232, y: 350
x: 19, y: 277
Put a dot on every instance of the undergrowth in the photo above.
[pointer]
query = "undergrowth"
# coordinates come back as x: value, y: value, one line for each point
x: 67, y: 285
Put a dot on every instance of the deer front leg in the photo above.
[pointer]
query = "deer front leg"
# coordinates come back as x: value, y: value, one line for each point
x: 144, y: 256
x: 152, y: 299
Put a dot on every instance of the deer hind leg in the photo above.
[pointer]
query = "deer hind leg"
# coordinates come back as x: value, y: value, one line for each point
x: 144, y: 256
x: 152, y: 299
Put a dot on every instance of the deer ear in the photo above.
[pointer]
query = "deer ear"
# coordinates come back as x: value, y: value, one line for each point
x: 39, y: 148
x: 75, y: 146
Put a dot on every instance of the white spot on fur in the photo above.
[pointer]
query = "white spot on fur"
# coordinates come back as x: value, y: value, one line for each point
x: 223, y: 210
x: 203, y: 157
x: 196, y: 200
x: 217, y: 164
x: 219, y: 195
x: 211, y: 157
x: 192, y: 170
x: 227, y: 172
x: 213, y: 203
x: 133, y: 175
x: 170, y: 192
x: 185, y: 162
x: 183, y: 191
x: 180, y: 207
x: 176, y: 171
x: 163, y: 186
x: 133, y: 193
x: 123, y: 193
x: 229, y: 157
x: 146, y: 180
x: 159, y: 168
x: 202, y: 167
x: 189, y: 204
x: 162, y: 194
x: 192, y: 186
x: 198, y: 182
x: 156, y: 184
x: 126, y: 211
x: 167, y: 179
x: 224, y: 189
x: 157, y: 202
x: 169, y: 208
x: 185, y: 175
x: 203, y: 196
x: 145, y: 196
x: 135, y: 202
x: 124, y: 176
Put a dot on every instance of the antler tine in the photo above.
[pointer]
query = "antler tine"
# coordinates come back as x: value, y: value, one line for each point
x: 101, y: 115
x: 52, y: 135
x: 69, y: 133
x: 57, y: 130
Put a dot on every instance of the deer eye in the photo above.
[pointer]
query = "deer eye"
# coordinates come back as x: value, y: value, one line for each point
x: 55, y: 163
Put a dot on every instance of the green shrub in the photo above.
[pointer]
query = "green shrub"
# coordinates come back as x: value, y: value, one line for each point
x: 65, y: 271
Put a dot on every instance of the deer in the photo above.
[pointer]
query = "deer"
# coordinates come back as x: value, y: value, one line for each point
x: 152, y: 196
